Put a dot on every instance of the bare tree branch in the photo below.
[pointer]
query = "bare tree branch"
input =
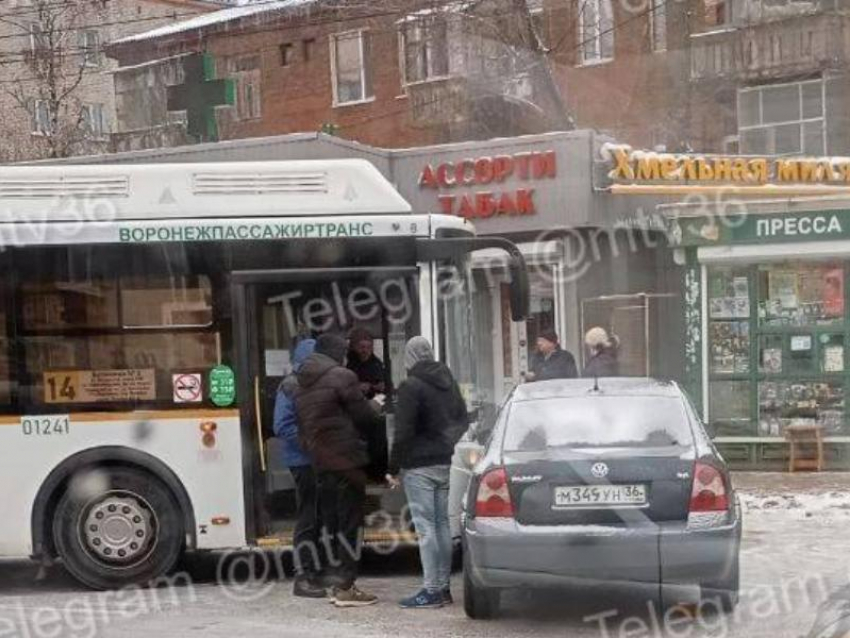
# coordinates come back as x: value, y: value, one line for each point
x: 45, y: 83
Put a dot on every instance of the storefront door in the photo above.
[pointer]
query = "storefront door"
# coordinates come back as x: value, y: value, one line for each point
x: 514, y: 344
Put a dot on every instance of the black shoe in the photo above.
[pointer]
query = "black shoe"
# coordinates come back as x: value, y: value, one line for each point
x: 308, y: 588
x: 447, y: 597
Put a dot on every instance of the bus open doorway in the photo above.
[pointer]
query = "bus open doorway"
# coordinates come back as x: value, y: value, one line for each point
x: 274, y: 311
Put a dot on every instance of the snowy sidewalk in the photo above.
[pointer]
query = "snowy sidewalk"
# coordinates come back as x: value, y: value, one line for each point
x: 808, y: 493
x: 782, y: 482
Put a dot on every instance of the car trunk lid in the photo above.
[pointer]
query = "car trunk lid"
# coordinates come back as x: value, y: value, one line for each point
x: 601, y: 486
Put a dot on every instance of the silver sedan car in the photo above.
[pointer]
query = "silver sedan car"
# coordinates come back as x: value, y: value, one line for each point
x: 602, y: 482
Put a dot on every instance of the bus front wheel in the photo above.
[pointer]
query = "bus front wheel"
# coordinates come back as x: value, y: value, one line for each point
x: 118, y: 526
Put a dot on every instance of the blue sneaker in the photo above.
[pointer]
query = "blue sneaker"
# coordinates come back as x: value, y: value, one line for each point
x: 447, y: 597
x: 423, y: 600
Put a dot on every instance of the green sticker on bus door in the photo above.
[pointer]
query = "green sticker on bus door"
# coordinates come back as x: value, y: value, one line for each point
x: 222, y: 386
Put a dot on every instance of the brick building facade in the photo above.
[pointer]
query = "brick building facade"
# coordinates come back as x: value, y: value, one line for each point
x: 622, y: 66
x: 684, y: 75
x: 404, y: 75
x: 776, y: 76
x: 68, y: 38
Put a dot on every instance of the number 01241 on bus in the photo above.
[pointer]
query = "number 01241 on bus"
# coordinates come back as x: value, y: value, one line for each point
x: 46, y: 425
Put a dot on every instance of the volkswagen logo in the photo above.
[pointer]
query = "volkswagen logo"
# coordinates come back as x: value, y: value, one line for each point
x: 599, y: 470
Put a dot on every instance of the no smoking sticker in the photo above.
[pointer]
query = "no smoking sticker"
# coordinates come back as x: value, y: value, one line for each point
x: 187, y: 388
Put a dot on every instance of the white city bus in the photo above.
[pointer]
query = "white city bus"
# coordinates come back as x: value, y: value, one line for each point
x: 147, y: 317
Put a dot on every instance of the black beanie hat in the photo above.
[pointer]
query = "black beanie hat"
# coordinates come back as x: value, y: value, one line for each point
x: 550, y: 336
x: 333, y: 346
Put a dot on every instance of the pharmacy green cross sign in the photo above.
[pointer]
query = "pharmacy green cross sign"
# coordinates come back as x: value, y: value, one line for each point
x: 199, y: 94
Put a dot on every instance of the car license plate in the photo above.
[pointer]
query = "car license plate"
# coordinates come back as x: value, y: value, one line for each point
x: 590, y: 496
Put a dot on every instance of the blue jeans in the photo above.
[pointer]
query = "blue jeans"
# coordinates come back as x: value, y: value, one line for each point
x: 427, y: 490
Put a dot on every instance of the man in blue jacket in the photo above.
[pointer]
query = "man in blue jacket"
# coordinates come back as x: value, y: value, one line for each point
x: 306, y: 538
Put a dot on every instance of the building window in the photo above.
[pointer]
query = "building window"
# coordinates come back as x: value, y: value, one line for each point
x: 538, y: 19
x: 37, y: 41
x: 42, y: 118
x: 718, y: 12
x: 307, y: 46
x: 782, y: 119
x: 596, y: 31
x: 93, y: 120
x: 658, y: 25
x: 424, y: 47
x: 796, y: 295
x: 350, y: 67
x: 777, y: 347
x: 286, y: 54
x: 246, y: 72
x: 89, y: 43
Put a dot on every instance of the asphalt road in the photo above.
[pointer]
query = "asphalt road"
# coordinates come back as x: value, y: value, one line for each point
x: 795, y: 552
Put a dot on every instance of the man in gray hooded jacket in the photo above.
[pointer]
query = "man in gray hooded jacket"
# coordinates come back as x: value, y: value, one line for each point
x: 431, y: 417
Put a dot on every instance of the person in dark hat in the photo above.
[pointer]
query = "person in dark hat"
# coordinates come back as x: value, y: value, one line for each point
x: 334, y: 422
x: 363, y: 362
x: 552, y: 361
x: 371, y: 373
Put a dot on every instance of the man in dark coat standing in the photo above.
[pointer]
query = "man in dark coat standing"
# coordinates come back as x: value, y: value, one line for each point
x: 334, y: 419
x: 431, y: 416
x: 552, y: 361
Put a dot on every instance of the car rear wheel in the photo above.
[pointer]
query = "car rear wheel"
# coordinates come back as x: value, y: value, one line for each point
x: 479, y: 603
x: 724, y: 594
x: 118, y: 526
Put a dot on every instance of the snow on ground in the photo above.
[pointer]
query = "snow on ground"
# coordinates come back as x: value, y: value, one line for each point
x: 801, y: 495
x: 801, y: 505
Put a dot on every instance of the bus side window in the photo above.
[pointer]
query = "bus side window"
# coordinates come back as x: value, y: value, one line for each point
x: 119, y: 340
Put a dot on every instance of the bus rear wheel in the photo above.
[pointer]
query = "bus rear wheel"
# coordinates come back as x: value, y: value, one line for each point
x: 118, y: 526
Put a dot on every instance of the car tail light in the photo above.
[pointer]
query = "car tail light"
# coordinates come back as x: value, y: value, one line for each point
x: 494, y: 498
x: 709, y: 493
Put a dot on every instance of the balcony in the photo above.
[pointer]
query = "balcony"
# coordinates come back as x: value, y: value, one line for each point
x: 438, y: 101
x: 772, y: 50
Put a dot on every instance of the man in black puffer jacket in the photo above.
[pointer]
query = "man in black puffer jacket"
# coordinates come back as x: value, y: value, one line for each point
x: 334, y: 420
x: 431, y: 417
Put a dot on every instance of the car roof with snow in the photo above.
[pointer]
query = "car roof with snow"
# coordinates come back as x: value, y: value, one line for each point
x: 602, y: 387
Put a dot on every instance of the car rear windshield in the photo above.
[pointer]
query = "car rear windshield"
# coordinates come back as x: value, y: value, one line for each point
x: 597, y: 422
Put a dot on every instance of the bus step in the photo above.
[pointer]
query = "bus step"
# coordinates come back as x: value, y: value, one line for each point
x: 372, y: 536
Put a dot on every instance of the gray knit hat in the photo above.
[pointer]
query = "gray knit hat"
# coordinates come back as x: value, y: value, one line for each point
x: 417, y: 349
